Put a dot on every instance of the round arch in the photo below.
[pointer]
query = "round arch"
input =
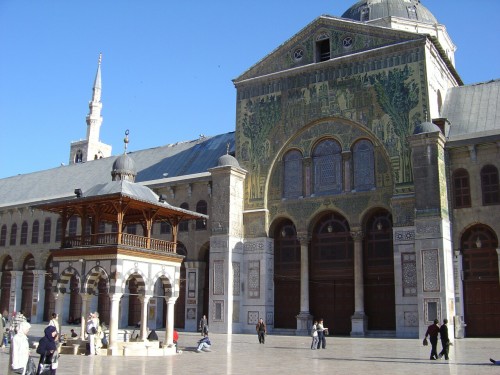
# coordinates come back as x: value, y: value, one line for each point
x: 331, y: 262
x: 7, y: 266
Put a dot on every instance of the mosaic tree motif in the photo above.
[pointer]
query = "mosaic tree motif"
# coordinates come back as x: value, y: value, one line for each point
x: 260, y: 116
x: 397, y: 96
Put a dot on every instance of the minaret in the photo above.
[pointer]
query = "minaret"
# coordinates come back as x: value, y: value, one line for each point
x: 91, y: 148
x: 94, y: 118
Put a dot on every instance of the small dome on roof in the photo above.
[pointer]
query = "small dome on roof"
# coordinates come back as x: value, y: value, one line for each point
x: 123, y: 168
x: 227, y: 159
x: 426, y: 127
x: 369, y: 10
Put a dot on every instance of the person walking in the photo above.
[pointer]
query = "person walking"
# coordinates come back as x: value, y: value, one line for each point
x: 445, y: 340
x: 432, y: 332
x: 21, y: 349
x: 261, y: 331
x: 203, y: 326
x: 314, y: 334
x: 91, y: 330
x: 204, y: 344
x: 47, y: 348
x: 322, y: 332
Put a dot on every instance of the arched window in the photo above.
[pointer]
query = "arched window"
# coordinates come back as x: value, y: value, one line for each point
x: 184, y: 225
x: 13, y: 234
x: 461, y: 189
x: 201, y: 207
x: 24, y: 233
x: 327, y: 164
x: 363, y: 161
x: 489, y: 185
x: 47, y: 227
x: 292, y: 174
x: 35, y: 231
x: 3, y: 235
x: 58, y: 229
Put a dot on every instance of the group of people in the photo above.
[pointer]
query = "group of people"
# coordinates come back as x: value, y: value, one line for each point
x: 433, y: 331
x: 21, y: 362
x: 96, y: 334
x: 318, y: 333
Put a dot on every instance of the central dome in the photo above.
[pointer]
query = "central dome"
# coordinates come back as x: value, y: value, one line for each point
x: 369, y: 10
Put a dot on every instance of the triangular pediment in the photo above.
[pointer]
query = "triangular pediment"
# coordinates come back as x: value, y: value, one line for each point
x: 338, y: 37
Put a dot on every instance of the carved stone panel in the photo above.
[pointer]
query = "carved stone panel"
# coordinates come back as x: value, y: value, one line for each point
x: 218, y: 278
x: 236, y: 279
x: 409, y: 274
x: 430, y: 270
x: 254, y: 279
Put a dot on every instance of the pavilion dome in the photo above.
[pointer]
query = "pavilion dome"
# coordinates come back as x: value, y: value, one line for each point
x: 426, y: 127
x: 369, y: 10
x: 226, y: 160
x: 124, y: 168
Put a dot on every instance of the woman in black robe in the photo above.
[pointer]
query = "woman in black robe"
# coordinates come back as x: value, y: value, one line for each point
x: 47, y: 348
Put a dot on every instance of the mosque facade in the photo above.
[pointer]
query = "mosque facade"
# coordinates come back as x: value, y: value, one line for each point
x: 360, y: 186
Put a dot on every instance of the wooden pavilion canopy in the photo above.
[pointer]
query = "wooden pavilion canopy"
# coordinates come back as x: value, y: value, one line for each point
x: 123, y: 203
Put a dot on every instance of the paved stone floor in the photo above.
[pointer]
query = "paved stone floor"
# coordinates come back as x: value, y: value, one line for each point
x: 242, y: 354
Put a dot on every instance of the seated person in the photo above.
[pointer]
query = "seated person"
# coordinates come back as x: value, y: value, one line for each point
x: 152, y: 336
x: 204, y: 344
x: 176, y: 338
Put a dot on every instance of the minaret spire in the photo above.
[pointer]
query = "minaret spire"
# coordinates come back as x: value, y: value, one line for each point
x: 94, y: 118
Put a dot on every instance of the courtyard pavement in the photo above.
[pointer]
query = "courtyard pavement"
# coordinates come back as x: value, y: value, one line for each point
x: 242, y: 354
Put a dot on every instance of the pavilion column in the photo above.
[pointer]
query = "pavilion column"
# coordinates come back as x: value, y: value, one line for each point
x: 64, y: 225
x: 169, y: 332
x: 59, y: 303
x: 85, y: 313
x: 359, y: 319
x: 114, y: 318
x: 144, y: 316
x: 304, y: 319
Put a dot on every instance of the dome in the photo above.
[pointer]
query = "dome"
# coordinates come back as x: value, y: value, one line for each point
x: 227, y: 159
x: 123, y: 168
x: 369, y: 10
x: 426, y: 127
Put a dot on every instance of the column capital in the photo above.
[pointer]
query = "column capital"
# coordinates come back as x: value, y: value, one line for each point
x: 357, y: 235
x: 115, y: 296
x: 145, y: 298
x: 303, y: 238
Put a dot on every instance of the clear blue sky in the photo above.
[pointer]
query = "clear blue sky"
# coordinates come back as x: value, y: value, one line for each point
x: 167, y: 65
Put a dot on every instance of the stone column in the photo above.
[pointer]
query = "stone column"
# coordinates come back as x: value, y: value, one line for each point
x: 144, y: 316
x: 16, y: 283
x: 85, y: 312
x: 359, y: 320
x: 347, y: 160
x: 59, y: 303
x: 169, y: 331
x: 114, y: 318
x: 304, y: 319
x: 38, y: 296
x: 498, y: 258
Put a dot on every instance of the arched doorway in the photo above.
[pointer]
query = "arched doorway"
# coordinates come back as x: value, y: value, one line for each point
x: 286, y: 275
x: 378, y: 272
x: 480, y: 282
x: 134, y: 303
x: 103, y: 301
x: 7, y: 266
x: 27, y: 286
x: 331, y: 263
x: 75, y: 300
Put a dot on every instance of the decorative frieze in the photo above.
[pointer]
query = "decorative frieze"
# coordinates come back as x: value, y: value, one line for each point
x: 404, y: 235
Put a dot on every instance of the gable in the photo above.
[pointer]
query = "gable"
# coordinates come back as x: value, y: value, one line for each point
x: 332, y: 36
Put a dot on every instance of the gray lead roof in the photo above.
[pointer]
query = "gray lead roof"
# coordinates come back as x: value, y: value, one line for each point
x: 179, y: 159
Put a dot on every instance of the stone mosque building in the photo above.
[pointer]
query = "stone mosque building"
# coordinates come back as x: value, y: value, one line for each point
x: 360, y: 185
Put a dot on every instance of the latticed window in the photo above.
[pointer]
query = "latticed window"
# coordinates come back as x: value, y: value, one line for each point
x: 184, y: 225
x: 24, y: 233
x: 327, y: 164
x: 73, y: 224
x: 35, y: 231
x: 292, y: 174
x: 47, y: 228
x: 13, y: 234
x: 461, y: 189
x: 489, y: 185
x: 201, y: 207
x: 363, y: 165
x: 58, y: 230
x: 3, y: 235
